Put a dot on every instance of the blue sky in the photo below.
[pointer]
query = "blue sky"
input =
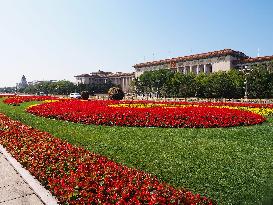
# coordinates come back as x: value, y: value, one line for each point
x: 57, y: 39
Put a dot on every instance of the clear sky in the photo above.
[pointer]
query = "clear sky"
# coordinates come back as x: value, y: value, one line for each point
x: 57, y: 39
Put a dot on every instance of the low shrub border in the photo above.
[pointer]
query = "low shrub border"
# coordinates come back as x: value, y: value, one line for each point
x: 77, y: 176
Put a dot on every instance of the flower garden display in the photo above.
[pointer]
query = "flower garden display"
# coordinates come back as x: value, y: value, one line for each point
x: 139, y: 114
x: 77, y: 176
x: 17, y: 100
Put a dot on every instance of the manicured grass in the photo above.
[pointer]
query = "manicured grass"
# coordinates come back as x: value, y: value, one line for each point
x: 231, y: 165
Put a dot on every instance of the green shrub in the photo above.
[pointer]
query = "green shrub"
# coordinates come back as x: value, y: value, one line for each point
x: 85, y: 95
x: 115, y: 93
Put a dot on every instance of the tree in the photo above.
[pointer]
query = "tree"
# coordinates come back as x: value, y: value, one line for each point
x: 214, y: 85
x: 62, y: 87
x: 138, y: 88
x: 183, y: 85
x: 146, y: 82
x: 219, y: 84
x: 157, y: 82
x: 258, y: 82
x: 95, y: 88
x: 203, y: 87
x: 237, y: 87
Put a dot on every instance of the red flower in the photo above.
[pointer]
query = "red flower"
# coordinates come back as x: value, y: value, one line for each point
x: 100, y: 113
x: 77, y: 176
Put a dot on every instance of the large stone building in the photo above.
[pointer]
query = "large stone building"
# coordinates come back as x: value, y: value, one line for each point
x: 118, y: 78
x: 209, y: 62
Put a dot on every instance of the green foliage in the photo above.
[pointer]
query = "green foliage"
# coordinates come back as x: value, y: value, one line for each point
x: 183, y: 85
x: 230, y: 84
x: 220, y: 85
x: 96, y: 88
x: 115, y: 93
x: 259, y: 82
x: 157, y: 82
x: 7, y: 90
x: 62, y: 87
x: 230, y: 165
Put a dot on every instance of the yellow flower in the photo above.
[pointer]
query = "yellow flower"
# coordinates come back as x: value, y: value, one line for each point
x: 260, y: 111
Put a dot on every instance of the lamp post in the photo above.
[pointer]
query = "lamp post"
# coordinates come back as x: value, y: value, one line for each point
x: 157, y: 87
x: 246, y: 71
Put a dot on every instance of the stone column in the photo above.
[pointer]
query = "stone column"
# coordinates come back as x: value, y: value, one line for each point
x: 197, y: 69
x: 126, y: 85
x: 121, y: 83
x: 205, y: 68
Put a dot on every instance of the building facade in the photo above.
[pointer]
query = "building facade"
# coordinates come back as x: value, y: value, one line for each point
x: 100, y: 77
x: 122, y: 79
x: 222, y: 60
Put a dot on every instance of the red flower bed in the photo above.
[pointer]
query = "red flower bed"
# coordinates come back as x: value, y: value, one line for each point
x: 17, y: 100
x: 76, y: 176
x: 100, y: 113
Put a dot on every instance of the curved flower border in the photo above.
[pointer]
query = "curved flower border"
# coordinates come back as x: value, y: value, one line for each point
x: 77, y: 176
x: 17, y: 100
x: 112, y: 113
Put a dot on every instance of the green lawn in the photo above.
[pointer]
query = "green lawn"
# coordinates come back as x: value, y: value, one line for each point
x: 230, y: 165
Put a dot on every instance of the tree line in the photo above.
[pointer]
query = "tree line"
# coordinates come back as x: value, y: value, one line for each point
x: 65, y: 87
x: 231, y: 84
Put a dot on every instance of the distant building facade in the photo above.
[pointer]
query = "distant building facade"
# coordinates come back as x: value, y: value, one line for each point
x: 36, y: 82
x: 222, y: 60
x: 118, y: 78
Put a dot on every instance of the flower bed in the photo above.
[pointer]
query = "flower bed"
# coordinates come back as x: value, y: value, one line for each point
x: 76, y: 176
x: 3, y: 95
x: 115, y: 113
x: 262, y: 109
x: 17, y: 100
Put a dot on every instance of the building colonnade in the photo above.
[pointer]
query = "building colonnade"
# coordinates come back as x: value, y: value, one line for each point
x: 196, y: 69
x: 123, y: 81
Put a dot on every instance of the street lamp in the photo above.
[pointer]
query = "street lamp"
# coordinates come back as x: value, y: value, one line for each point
x: 157, y: 88
x: 246, y: 71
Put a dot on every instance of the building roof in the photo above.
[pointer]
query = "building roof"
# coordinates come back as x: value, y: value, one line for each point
x: 219, y: 53
x: 257, y: 59
x: 102, y: 74
x: 83, y: 75
x: 120, y: 74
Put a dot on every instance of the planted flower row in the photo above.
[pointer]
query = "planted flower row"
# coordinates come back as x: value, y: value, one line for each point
x: 261, y: 109
x: 21, y: 98
x: 76, y: 176
x: 17, y: 100
x: 109, y: 113
x: 3, y: 95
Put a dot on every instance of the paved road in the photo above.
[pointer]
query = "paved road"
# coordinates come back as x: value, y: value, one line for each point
x: 13, y: 189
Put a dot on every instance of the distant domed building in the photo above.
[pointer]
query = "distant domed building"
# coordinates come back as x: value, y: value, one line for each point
x: 23, y: 83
